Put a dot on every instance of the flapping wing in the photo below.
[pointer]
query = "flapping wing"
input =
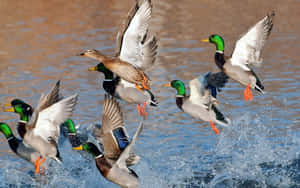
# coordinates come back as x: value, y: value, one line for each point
x: 203, y: 87
x: 48, y: 121
x: 52, y: 97
x: 248, y: 47
x: 121, y: 162
x: 112, y: 129
x: 124, y: 27
x: 134, y: 46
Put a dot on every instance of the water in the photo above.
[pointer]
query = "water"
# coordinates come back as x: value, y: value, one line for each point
x: 39, y: 41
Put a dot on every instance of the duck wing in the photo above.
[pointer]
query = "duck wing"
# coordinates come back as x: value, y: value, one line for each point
x: 205, y: 86
x: 248, y: 48
x: 134, y: 47
x: 121, y: 162
x: 52, y: 97
x: 46, y: 123
x: 112, y: 132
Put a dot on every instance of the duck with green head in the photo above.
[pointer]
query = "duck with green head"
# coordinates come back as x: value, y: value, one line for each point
x: 43, y: 128
x: 202, y: 102
x: 135, y: 48
x: 119, y: 88
x: 24, y: 110
x: 17, y: 145
x: 118, y: 155
x: 247, y: 51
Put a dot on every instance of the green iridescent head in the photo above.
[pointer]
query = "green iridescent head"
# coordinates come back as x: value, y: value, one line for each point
x: 101, y: 68
x: 178, y: 85
x: 89, y: 147
x: 217, y: 40
x: 70, y: 125
x: 4, y: 128
x: 20, y: 107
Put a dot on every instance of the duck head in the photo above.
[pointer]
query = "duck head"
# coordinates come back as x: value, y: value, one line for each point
x: 101, y: 68
x: 20, y: 107
x: 89, y: 147
x: 178, y: 85
x: 217, y: 40
x: 94, y: 54
x: 70, y: 125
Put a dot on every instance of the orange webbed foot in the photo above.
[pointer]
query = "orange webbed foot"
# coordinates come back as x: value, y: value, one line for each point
x: 144, y: 110
x: 139, y: 88
x: 214, y: 128
x: 38, y: 164
x: 139, y: 109
x: 144, y: 84
x: 248, y: 94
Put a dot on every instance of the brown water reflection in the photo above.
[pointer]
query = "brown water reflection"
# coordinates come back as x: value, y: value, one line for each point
x: 39, y: 40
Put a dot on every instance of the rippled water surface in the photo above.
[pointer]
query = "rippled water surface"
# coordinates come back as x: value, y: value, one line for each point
x: 39, y: 40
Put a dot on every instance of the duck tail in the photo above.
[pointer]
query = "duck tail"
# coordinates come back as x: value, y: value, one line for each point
x: 152, y: 101
x: 54, y: 143
x: 259, y: 88
x: 220, y: 118
x: 258, y: 85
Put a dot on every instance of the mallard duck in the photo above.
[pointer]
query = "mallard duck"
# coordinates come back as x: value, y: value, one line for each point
x: 247, y: 51
x: 42, y: 130
x: 17, y: 145
x: 113, y: 164
x: 25, y: 110
x: 202, y: 102
x: 134, y: 53
x: 124, y: 90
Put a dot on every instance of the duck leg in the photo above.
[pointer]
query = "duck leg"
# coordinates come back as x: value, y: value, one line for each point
x: 38, y: 163
x: 144, y: 82
x: 139, y: 109
x: 144, y: 110
x: 139, y: 88
x: 247, y: 93
x: 214, y: 128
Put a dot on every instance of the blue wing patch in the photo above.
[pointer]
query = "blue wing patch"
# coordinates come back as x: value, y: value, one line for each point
x: 121, y: 138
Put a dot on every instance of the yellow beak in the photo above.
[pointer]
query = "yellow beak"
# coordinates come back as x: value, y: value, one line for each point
x: 78, y: 148
x: 167, y: 84
x: 205, y: 40
x: 93, y: 69
x: 11, y: 109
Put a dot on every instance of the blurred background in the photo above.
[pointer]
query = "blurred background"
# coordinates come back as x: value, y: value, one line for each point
x: 38, y: 43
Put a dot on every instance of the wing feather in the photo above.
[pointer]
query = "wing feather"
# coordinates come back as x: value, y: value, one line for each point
x: 203, y: 87
x: 121, y: 162
x: 48, y: 121
x: 135, y: 49
x: 248, y: 48
x: 112, y: 118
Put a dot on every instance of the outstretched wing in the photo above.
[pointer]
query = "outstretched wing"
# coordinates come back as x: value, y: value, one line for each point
x: 121, y: 162
x: 124, y: 27
x: 52, y: 97
x: 134, y: 47
x: 248, y: 47
x: 48, y: 121
x: 112, y: 132
x: 203, y: 87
